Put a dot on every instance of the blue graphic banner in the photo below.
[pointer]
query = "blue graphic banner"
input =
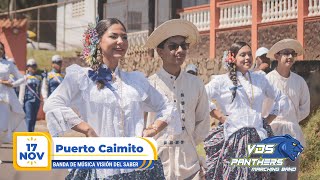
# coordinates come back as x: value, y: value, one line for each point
x: 102, y: 164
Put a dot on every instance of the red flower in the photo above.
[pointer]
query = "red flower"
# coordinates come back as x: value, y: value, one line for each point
x: 87, y: 39
x: 230, y: 58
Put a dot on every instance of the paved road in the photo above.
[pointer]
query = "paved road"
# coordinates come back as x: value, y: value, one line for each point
x: 7, y: 172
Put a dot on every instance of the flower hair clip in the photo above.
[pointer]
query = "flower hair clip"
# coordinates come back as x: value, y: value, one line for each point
x: 227, y: 59
x: 230, y: 57
x: 90, y: 44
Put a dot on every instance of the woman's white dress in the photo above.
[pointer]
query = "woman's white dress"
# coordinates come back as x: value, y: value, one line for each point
x: 11, y: 112
x: 118, y: 113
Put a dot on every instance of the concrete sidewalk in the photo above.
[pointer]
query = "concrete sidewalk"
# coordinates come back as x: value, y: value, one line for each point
x: 7, y: 172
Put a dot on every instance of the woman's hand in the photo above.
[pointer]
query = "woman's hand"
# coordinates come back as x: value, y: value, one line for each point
x: 270, y: 118
x: 222, y: 119
x: 217, y: 114
x: 91, y: 133
x: 85, y: 129
x: 149, y: 132
x: 6, y: 83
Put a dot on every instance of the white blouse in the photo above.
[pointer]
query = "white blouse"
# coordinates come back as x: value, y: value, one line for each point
x: 118, y: 113
x: 16, y: 115
x: 246, y: 109
x: 7, y: 68
x: 296, y: 89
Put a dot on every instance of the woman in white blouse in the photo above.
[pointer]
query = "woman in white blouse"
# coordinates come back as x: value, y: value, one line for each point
x: 109, y: 101
x: 12, y: 114
x: 240, y: 94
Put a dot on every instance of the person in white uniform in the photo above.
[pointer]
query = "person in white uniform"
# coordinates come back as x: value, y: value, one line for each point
x: 12, y: 114
x: 110, y: 102
x: 297, y: 91
x: 177, y: 149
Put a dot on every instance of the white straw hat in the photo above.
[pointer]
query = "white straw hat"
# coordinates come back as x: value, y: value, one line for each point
x: 174, y: 27
x: 285, y: 44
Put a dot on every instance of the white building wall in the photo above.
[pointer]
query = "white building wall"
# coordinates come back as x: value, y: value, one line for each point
x: 70, y: 27
x: 163, y: 11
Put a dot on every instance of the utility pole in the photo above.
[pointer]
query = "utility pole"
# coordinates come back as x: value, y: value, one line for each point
x: 151, y: 15
x: 38, y: 27
x: 10, y: 9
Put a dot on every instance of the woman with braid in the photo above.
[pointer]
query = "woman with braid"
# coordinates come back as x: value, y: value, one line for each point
x: 110, y: 102
x: 240, y: 94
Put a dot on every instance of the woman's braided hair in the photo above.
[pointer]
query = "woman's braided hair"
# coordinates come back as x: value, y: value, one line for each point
x: 234, y: 49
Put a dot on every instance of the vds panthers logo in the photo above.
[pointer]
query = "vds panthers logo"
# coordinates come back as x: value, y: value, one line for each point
x: 287, y: 147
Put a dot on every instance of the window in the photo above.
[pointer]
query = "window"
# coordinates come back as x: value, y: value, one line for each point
x: 134, y: 20
x: 78, y: 8
x: 190, y: 3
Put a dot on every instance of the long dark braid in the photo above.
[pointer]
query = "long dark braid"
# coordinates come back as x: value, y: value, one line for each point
x: 234, y: 49
x: 101, y: 28
x: 234, y: 79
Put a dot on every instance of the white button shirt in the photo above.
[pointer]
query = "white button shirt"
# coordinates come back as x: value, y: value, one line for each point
x: 191, y: 120
x: 297, y: 91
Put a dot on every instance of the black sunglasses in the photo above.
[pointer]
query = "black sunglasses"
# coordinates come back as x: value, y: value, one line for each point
x: 287, y: 53
x: 174, y: 46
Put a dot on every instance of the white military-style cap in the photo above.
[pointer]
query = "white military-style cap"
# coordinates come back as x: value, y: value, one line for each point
x: 56, y: 58
x: 31, y: 62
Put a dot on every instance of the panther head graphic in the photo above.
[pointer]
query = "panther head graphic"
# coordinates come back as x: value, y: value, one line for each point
x: 287, y: 147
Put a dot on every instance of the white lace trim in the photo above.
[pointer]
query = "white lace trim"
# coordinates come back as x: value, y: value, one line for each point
x: 61, y: 120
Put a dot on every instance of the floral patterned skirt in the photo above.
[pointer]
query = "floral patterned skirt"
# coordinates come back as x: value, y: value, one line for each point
x: 219, y: 152
x: 156, y: 173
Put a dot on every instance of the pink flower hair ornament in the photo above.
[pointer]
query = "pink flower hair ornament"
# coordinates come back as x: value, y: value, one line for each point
x: 90, y: 44
x: 227, y: 59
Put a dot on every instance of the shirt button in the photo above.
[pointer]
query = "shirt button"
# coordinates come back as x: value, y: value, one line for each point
x: 174, y: 101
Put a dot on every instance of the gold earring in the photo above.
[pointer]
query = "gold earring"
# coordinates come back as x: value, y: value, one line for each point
x: 99, y: 55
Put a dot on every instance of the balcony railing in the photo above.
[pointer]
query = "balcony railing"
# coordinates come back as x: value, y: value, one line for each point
x: 314, y: 8
x: 275, y: 10
x: 235, y: 15
x: 137, y: 40
x: 199, y: 17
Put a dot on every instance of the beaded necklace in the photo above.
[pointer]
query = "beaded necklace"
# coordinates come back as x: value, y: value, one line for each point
x: 250, y: 99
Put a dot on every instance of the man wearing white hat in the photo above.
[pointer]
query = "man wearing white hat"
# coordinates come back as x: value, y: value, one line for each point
x: 296, y: 89
x: 30, y: 94
x: 186, y: 92
x: 53, y: 79
x: 262, y: 61
x: 192, y: 69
